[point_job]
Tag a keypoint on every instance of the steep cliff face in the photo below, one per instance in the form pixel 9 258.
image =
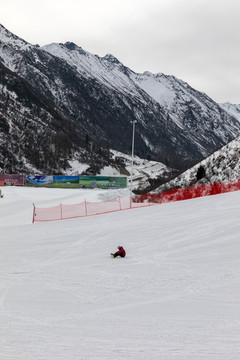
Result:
pixel 29 134
pixel 60 103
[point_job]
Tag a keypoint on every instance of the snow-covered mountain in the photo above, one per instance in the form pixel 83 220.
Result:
pixel 232 109
pixel 192 112
pixel 221 166
pixel 61 105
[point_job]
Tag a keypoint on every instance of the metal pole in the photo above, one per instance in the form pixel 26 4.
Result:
pixel 133 135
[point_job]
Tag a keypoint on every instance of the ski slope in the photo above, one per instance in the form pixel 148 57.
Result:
pixel 176 296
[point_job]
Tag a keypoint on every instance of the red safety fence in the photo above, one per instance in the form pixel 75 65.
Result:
pixel 62 211
pixel 190 192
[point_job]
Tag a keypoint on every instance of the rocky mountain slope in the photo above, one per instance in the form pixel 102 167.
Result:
pixel 191 122
pixel 232 109
pixel 221 166
pixel 60 104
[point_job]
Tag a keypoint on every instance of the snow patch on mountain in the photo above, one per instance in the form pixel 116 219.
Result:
pixel 142 170
pixel 232 109
pixel 158 87
pixel 76 167
pixel 107 70
pixel 8 38
pixel 12 42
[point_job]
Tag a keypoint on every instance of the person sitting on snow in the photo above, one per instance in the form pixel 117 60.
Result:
pixel 121 252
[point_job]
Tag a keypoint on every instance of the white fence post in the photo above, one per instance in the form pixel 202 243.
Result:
pixel 119 199
pixel 33 213
pixel 61 211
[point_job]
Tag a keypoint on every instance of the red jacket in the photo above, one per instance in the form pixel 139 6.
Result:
pixel 121 252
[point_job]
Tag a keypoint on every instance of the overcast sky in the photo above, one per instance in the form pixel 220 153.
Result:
pixel 195 40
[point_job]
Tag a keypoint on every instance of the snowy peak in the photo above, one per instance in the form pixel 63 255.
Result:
pixel 73 47
pixel 9 38
pixel 112 63
pixel 108 70
pixel 70 45
pixel 14 49
pixel 112 59
pixel 167 89
pixel 188 108
pixel 58 48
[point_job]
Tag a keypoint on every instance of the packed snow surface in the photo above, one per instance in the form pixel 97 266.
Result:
pixel 175 296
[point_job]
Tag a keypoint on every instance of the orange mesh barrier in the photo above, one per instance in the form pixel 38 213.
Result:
pixel 94 208
pixel 47 214
pixel 73 211
pixel 62 212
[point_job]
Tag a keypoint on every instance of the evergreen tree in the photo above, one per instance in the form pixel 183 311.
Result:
pixel 201 173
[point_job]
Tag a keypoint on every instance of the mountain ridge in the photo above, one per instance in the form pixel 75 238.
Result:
pixel 96 98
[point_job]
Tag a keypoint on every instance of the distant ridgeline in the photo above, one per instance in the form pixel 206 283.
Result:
pixel 58 181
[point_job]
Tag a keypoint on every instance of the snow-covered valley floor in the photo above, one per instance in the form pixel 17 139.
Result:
pixel 176 296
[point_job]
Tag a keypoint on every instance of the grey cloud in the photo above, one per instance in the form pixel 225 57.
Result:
pixel 196 40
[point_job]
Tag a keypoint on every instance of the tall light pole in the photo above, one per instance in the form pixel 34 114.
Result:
pixel 133 135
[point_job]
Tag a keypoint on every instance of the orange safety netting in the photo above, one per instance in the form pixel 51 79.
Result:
pixel 85 208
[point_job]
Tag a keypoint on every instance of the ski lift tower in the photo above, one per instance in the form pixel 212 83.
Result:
pixel 133 135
